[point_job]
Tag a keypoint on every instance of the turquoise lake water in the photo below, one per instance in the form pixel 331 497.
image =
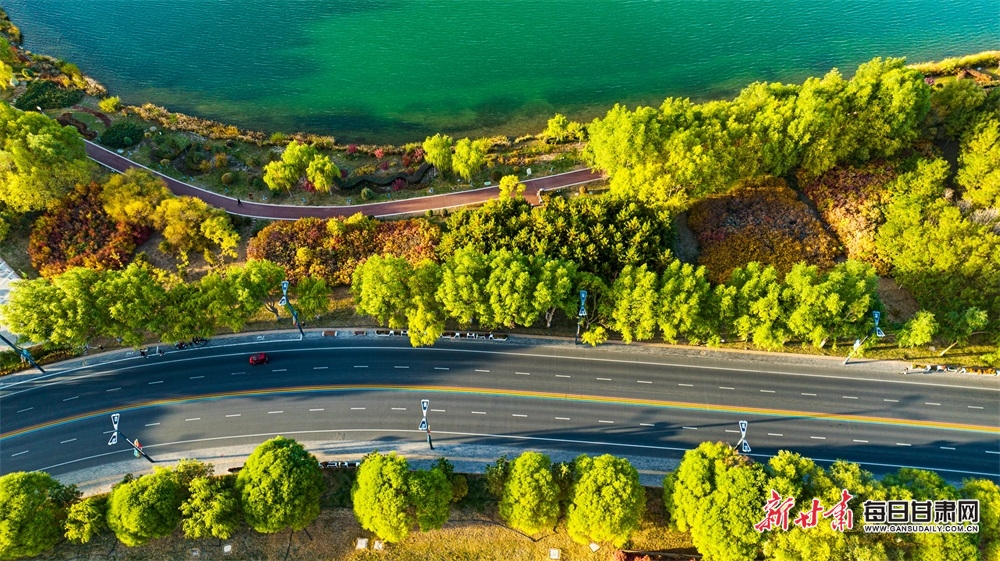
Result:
pixel 396 70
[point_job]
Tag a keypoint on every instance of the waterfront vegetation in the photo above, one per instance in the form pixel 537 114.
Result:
pixel 715 495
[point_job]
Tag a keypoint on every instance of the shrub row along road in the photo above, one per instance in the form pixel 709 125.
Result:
pixel 415 205
pixel 500 393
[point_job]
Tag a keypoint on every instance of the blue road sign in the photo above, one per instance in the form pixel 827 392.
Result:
pixel 284 286
pixel 114 420
pixel 746 447
pixel 283 301
pixel 424 403
pixel 114 439
pixel 879 332
pixel 743 429
pixel 877 315
pixel 423 424
pixel 583 303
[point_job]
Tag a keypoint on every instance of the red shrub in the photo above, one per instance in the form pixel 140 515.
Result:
pixel 78 233
pixel 379 153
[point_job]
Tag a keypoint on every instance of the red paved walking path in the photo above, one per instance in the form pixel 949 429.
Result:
pixel 414 205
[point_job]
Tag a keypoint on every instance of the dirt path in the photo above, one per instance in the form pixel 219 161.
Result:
pixel 415 205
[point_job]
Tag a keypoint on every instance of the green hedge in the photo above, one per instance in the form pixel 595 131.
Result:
pixel 123 134
pixel 47 95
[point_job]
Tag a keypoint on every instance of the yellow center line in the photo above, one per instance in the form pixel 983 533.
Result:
pixel 657 403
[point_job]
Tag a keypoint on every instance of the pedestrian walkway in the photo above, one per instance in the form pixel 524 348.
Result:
pixel 417 205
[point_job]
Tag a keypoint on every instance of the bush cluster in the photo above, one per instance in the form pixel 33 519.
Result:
pixel 47 95
pixel 77 232
pixel 759 221
pixel 123 134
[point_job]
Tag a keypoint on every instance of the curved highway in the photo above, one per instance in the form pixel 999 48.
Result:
pixel 521 395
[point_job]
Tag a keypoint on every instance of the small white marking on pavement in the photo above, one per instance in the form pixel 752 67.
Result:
pixel 274 412
pixel 690 428
pixel 279 370
pixel 646 425
pixel 726 388
pixel 931 403
pixel 440 368
pixel 71 398
pixel 686 385
pixel 315 410
pixel 812 394
pixel 605 379
pixel 974 407
pixel 479 412
pixel 361 366
pixel 65 441
pixel 152 424
pixel 992 452
pixel 156 382
pixel 848 397
pixel 643 382
pixel 108 432
pixel 606 422
pixel 114 389
pixel 19 453
pixel 561 376
pixel 195 377
pixel 774 434
pixel 438 410
pixel 523 373
pixel 486 371
pixel 947 448
pixel 234 415
pixel 903 444
pixel 399 409
pixel 238 373
pixel 766 391
pixel 194 419
pixel 400 366
pixel 891 400
pixel 818 437
pixel 325 367
pixel 731 430
pixel 23 410
pixel 357 408
pixel 562 418
pixel 861 441
pixel 517 415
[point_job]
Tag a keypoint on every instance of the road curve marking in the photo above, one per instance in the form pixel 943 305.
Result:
pixel 642 402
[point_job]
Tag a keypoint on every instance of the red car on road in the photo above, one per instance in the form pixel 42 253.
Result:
pixel 258 358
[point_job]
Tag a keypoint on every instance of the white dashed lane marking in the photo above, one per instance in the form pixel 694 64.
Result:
pixel 810 394
pixel 438 410
pixel 114 389
pixel 357 408
pixel 726 388
pixel 818 437
pixel 274 412
pixel 731 430
pixel 947 448
pixel 152 424
pixel 313 410
pixel 891 400
pixel 643 382
pixel 606 422
pixel 478 412
pixel 156 382
pixel 523 373
pixel 486 371
pixel 71 398
pixel 279 370
pixel 690 428
pixel 517 415
pixel 65 441
pixel 399 409
pixel 195 377
pixel 766 391
pixel 774 434
pixel 325 367
pixel 401 367
pixel 974 407
pixel 861 441
pixel 605 379
pixel 194 419
pixel 646 425
pixel 562 418
pixel 902 444
pixel 19 453
pixel 561 376
pixel 361 366
pixel 234 415
pixel 686 385
pixel 931 403
pixel 23 410
pixel 440 368
pixel 849 397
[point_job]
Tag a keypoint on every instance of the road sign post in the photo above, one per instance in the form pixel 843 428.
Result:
pixel 136 447
pixel 24 353
pixel 424 425
pixel 745 448
pixel 580 315
pixel 295 316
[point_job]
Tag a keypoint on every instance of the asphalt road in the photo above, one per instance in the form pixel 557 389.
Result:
pixel 533 190
pixel 490 393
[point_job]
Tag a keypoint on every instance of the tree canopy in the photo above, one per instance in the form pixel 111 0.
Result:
pixel 530 501
pixel 145 508
pixel 212 509
pixel 32 508
pixel 280 486
pixel 380 496
pixel 608 501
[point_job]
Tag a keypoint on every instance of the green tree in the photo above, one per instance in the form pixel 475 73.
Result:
pixel 380 288
pixel 963 325
pixel 922 485
pixel 322 172
pixel 511 187
pixel 756 305
pixel 218 230
pixel 820 307
pixel 684 303
pixel 145 508
pixel 724 526
pixel 425 315
pixel 6 74
pixel 530 500
pixel 469 157
pixel 212 509
pixel 634 300
pixel 509 290
pixel 599 516
pixel 258 283
pixel 185 313
pixel 687 489
pixel 561 129
pixel 40 160
pixel 954 107
pixel 134 196
pixel 496 475
pixel 979 171
pixel 133 299
pixel 437 151
pixel 919 330
pixel 31 513
pixel 110 104
pixel 63 310
pixel 312 297
pixel 554 291
pixel 86 519
pixel 430 493
pixel 380 498
pixel 189 224
pixel 280 486
pixel 295 160
pixel 988 494
pixel 463 286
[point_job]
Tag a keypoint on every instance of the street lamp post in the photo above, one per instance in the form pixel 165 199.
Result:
pixel 136 447
pixel 877 331
pixel 295 316
pixel 23 352
pixel 424 425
